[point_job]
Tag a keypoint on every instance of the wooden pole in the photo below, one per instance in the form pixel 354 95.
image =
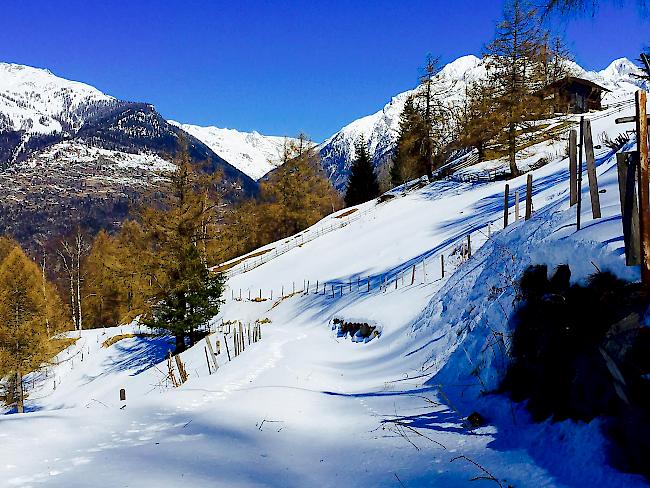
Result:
pixel 469 246
pixel 516 206
pixel 225 341
pixel 579 189
pixel 442 263
pixel 212 354
pixel 626 165
pixel 591 171
pixel 644 197
pixel 573 167
pixel 413 275
pixel 207 360
pixel 505 207
pixel 529 196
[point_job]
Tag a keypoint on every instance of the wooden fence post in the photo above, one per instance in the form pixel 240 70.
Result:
pixel 591 170
pixel 505 207
pixel 469 246
pixel 529 196
pixel 626 165
pixel 207 360
pixel 516 206
pixel 413 275
pixel 573 167
pixel 579 189
pixel 644 198
pixel 122 395
pixel 442 263
pixel 212 355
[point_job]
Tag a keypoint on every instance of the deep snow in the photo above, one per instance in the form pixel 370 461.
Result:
pixel 304 407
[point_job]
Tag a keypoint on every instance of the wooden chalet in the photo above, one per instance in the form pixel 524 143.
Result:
pixel 575 95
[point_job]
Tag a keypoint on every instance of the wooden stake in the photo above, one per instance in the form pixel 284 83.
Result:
pixel 225 341
pixel 529 196
pixel 626 165
pixel 413 275
pixel 644 197
pixel 212 354
pixel 517 206
pixel 579 189
pixel 505 208
pixel 207 360
pixel 442 263
pixel 573 167
pixel 469 246
pixel 591 170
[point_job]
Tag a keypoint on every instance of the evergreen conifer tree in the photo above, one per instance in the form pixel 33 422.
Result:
pixel 188 294
pixel 362 184
pixel 410 157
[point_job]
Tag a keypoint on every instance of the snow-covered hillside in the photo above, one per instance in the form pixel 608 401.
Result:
pixel 380 129
pixel 35 100
pixel 250 152
pixel 308 407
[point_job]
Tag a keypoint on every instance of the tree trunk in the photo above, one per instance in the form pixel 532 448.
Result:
pixel 180 342
pixel 20 400
pixel 512 151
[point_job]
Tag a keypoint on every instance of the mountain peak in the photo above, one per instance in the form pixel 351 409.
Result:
pixel 620 68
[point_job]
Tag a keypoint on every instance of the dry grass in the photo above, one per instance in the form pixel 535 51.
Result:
pixel 232 264
pixel 112 340
pixel 62 343
pixel 346 213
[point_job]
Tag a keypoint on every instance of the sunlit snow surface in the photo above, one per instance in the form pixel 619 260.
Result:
pixel 304 407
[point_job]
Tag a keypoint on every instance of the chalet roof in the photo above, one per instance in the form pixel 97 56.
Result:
pixel 574 79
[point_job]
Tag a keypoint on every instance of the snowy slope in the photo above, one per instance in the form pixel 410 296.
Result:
pixel 380 129
pixel 250 152
pixel 304 407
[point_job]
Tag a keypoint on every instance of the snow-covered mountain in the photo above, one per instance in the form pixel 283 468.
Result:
pixel 250 152
pixel 67 148
pixel 380 129
pixel 37 101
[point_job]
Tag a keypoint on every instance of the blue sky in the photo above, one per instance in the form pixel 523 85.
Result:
pixel 277 67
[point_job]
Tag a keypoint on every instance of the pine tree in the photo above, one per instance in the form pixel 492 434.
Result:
pixel 512 59
pixel 478 118
pixel 410 158
pixel 187 294
pixel 298 193
pixel 362 184
pixel 644 59
pixel 24 312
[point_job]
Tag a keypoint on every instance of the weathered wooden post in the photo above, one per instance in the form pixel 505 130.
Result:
pixel 122 395
pixel 368 284
pixel 469 246
pixel 529 196
pixel 505 206
pixel 644 198
pixel 225 341
pixel 591 170
pixel 626 165
pixel 579 189
pixel 573 167
pixel 207 360
pixel 212 354
pixel 517 206
pixel 413 275
pixel 442 264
